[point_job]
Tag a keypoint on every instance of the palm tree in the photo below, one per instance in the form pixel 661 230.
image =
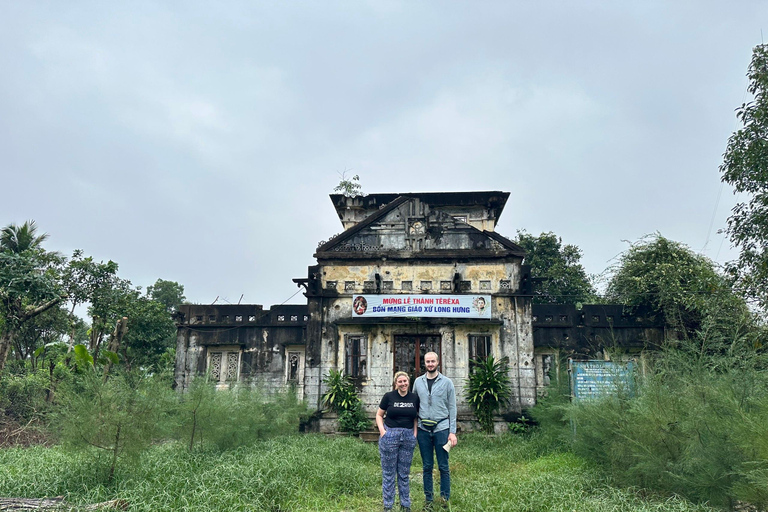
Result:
pixel 17 239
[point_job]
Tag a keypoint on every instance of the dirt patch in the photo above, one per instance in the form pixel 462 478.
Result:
pixel 14 433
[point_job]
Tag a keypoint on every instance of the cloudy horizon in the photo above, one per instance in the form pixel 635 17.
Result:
pixel 198 142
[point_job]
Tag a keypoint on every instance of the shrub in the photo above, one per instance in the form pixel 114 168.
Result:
pixel 697 426
pixel 341 397
pixel 235 417
pixel 552 410
pixel 23 397
pixel 114 419
pixel 488 389
pixel 354 420
pixel 341 394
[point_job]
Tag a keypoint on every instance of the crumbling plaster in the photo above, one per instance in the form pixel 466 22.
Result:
pixel 417 271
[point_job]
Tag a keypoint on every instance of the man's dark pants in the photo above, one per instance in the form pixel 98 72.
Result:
pixel 430 444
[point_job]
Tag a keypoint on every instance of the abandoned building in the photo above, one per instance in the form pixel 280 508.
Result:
pixel 410 273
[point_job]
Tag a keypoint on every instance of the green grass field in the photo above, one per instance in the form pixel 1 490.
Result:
pixel 314 472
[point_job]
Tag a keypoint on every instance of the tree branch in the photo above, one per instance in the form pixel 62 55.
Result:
pixel 30 313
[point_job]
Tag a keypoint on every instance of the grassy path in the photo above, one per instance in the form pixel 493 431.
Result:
pixel 312 472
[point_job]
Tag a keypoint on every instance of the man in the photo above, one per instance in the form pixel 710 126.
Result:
pixel 437 425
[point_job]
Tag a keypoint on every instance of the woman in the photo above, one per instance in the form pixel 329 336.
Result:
pixel 397 419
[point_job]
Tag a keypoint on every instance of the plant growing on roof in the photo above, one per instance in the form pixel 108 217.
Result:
pixel 350 187
pixel 488 389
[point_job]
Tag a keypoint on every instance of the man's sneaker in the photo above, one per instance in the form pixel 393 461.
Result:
pixel 405 509
pixel 429 506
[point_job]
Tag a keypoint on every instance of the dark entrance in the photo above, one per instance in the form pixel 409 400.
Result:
pixel 410 350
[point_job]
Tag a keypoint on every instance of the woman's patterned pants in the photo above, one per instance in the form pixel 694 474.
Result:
pixel 396 450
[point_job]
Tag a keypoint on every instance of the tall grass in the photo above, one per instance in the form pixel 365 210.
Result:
pixel 697 427
pixel 114 421
pixel 313 472
pixel 235 417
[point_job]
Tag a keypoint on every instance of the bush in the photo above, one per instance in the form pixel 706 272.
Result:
pixel 23 397
pixel 354 420
pixel 116 419
pixel 552 410
pixel 698 426
pixel 341 397
pixel 235 417
pixel 341 394
pixel 488 389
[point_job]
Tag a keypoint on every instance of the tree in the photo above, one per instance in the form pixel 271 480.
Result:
pixel 168 293
pixel 29 283
pixel 33 282
pixel 667 279
pixel 558 276
pixel 83 279
pixel 150 333
pixel 350 187
pixel 51 326
pixel 17 239
pixel 745 167
pixel 119 417
pixel 110 302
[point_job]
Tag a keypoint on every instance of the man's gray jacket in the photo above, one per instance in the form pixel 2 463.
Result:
pixel 441 406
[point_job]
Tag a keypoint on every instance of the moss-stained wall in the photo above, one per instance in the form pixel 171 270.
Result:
pixel 425 243
pixel 259 339
pixel 509 327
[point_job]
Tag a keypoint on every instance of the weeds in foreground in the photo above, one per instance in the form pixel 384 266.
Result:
pixel 697 426
pixel 115 421
pixel 313 472
pixel 231 418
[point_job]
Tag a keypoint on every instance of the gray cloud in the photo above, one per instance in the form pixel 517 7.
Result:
pixel 198 142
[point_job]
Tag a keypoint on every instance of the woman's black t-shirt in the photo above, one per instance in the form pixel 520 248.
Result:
pixel 401 410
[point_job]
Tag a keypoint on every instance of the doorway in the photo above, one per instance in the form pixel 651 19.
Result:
pixel 410 351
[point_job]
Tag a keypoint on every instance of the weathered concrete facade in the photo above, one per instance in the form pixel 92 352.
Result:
pixel 440 247
pixel 428 244
pixel 600 331
pixel 241 343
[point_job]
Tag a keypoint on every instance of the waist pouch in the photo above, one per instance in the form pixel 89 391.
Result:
pixel 429 425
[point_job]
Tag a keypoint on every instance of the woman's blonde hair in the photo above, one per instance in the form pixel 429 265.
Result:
pixel 399 374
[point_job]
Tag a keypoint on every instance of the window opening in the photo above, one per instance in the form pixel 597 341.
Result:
pixel 356 351
pixel 294 359
pixel 410 351
pixel 479 349
pixel 224 365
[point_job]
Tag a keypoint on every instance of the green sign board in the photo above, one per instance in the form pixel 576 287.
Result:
pixel 596 379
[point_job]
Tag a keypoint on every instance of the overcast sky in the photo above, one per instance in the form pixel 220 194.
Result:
pixel 198 141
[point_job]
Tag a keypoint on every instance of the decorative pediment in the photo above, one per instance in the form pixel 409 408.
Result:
pixel 408 227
